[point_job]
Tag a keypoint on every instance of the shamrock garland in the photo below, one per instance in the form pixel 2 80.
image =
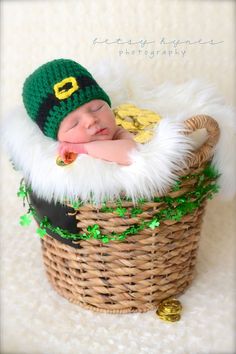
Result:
pixel 176 208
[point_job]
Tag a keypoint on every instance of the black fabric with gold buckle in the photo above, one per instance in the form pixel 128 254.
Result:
pixel 51 100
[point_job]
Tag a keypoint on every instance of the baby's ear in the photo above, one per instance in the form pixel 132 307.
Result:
pixel 59 136
pixel 64 126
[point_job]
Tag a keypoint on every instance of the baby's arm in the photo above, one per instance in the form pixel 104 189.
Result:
pixel 116 150
pixel 111 150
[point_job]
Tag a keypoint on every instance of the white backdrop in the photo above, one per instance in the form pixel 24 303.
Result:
pixel 170 41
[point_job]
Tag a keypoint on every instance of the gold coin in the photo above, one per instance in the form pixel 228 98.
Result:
pixel 170 318
pixel 119 121
pixel 128 125
pixel 148 117
pixel 123 113
pixel 124 106
pixel 169 311
pixel 143 137
pixel 143 120
pixel 137 124
pixel 171 302
pixel 171 308
pixel 127 110
pixel 152 117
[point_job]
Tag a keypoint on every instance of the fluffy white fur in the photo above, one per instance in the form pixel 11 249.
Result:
pixel 153 164
pixel 35 155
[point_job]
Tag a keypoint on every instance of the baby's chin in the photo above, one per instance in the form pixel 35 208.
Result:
pixel 96 137
pixel 93 138
pixel 101 137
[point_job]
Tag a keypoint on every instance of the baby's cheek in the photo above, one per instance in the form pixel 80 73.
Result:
pixel 60 136
pixel 74 136
pixel 67 134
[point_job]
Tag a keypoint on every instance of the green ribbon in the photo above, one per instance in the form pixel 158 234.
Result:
pixel 175 209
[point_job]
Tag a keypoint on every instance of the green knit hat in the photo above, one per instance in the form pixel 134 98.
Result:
pixel 57 88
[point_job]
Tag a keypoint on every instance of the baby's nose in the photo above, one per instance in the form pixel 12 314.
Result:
pixel 89 120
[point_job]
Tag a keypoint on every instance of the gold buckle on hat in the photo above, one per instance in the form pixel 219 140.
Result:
pixel 62 92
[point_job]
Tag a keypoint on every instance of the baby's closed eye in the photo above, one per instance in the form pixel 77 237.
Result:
pixel 73 125
pixel 95 109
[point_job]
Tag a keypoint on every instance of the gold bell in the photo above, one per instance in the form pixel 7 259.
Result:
pixel 59 161
pixel 69 158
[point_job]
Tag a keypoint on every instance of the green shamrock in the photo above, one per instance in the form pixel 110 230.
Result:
pixel 136 211
pixel 105 239
pixel 120 211
pixel 177 215
pixel 77 204
pixel 154 223
pixel 22 193
pixel 176 186
pixel 25 220
pixel 94 231
pixel 41 232
pixel 106 209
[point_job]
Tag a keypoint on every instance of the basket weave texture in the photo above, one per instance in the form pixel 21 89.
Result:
pixel 136 274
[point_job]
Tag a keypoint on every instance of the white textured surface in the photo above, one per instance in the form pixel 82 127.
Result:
pixel 34 319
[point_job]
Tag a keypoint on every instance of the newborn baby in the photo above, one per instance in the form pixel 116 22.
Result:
pixel 68 105
pixel 91 129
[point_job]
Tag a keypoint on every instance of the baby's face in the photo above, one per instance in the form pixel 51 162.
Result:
pixel 90 122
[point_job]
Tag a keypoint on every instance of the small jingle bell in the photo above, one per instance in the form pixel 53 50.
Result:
pixel 69 158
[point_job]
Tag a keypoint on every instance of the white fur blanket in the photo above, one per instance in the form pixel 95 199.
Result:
pixel 152 169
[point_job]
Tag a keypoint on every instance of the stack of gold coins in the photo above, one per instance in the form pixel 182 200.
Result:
pixel 169 310
pixel 140 122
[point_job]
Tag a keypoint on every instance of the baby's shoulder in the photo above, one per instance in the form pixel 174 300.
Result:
pixel 122 133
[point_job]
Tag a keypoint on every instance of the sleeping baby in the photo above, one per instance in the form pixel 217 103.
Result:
pixel 68 105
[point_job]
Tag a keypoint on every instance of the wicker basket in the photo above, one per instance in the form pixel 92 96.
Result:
pixel 136 274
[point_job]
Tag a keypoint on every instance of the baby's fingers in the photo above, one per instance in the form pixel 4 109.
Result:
pixel 63 150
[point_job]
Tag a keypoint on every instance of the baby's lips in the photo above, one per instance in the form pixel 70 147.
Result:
pixel 103 131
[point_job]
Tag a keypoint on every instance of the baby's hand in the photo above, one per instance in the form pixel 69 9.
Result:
pixel 66 148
